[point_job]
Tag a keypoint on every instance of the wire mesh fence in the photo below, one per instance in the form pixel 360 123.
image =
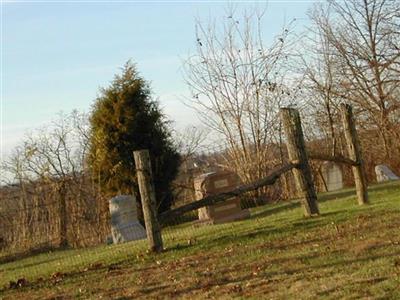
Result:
pixel 32 219
pixel 30 225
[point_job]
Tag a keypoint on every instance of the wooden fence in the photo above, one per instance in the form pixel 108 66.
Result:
pixel 299 165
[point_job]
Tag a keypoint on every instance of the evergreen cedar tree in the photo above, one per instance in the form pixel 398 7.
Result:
pixel 126 118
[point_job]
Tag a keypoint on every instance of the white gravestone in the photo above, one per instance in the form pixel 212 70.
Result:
pixel 383 173
pixel 333 177
pixel 125 226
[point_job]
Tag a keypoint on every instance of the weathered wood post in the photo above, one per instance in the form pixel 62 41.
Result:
pixel 298 155
pixel 148 197
pixel 354 151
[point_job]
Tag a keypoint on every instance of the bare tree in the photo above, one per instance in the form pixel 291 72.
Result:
pixel 188 142
pixel 237 84
pixel 320 68
pixel 363 39
pixel 54 155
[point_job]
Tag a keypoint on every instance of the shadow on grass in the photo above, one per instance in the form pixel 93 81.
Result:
pixel 172 291
pixel 262 231
pixel 362 282
pixel 389 186
pixel 28 253
pixel 339 195
pixel 293 227
pixel 35 263
pixel 209 281
pixel 274 210
pixel 265 230
pixel 177 247
pixel 347 192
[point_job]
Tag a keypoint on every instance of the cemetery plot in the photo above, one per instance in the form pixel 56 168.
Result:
pixel 275 254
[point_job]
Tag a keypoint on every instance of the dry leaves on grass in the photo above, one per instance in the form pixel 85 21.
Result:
pixel 21 282
pixel 363 246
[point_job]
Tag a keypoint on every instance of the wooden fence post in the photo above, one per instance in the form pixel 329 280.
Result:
pixel 354 150
pixel 298 155
pixel 148 197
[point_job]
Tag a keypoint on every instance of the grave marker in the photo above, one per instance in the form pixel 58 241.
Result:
pixel 332 175
pixel 125 225
pixel 215 183
pixel 383 173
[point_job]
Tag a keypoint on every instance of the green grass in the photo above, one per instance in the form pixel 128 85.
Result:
pixel 349 251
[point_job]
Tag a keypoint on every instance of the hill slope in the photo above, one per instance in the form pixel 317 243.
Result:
pixel 348 252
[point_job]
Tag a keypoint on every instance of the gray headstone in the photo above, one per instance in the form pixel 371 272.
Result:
pixel 333 177
pixel 383 173
pixel 125 226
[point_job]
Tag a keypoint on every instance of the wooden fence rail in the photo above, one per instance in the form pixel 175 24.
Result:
pixel 212 199
pixel 336 158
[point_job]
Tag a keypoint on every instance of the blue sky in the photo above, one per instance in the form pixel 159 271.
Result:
pixel 56 55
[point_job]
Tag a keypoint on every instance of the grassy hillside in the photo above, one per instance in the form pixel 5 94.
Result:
pixel 348 252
